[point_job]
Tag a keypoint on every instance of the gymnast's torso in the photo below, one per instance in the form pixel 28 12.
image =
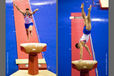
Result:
pixel 28 18
pixel 86 34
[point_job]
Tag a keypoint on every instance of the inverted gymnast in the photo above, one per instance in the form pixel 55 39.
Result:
pixel 86 32
pixel 28 19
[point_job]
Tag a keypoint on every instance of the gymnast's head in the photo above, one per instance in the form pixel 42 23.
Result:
pixel 77 45
pixel 27 10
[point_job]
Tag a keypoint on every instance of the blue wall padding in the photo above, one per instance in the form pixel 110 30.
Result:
pixel 11 45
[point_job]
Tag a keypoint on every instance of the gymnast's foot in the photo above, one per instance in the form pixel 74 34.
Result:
pixel 82 5
pixel 27 37
pixel 89 9
pixel 31 33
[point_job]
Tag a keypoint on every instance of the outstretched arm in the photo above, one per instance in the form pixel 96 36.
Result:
pixel 89 11
pixel 87 49
pixel 34 11
pixel 81 50
pixel 19 9
pixel 83 13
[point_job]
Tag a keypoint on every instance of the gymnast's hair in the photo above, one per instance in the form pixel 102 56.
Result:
pixel 77 46
pixel 27 8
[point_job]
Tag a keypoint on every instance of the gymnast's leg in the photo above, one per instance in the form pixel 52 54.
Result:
pixel 83 13
pixel 30 30
pixel 27 32
pixel 88 26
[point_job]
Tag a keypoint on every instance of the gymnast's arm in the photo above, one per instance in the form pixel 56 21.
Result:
pixel 87 48
pixel 81 50
pixel 34 11
pixel 19 9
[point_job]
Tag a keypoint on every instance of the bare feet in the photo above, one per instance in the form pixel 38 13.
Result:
pixel 82 5
pixel 89 9
pixel 31 33
pixel 27 37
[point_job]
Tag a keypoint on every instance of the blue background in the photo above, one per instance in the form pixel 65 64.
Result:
pixel 99 35
pixel 11 45
pixel 45 20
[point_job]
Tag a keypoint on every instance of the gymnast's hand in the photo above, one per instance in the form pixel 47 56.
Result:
pixel 36 9
pixel 14 4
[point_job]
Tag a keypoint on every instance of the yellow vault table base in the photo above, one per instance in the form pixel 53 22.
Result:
pixel 41 73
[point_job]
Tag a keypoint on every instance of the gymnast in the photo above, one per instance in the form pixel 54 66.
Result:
pixel 28 19
pixel 86 32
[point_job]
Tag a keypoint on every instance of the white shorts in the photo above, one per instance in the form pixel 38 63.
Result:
pixel 85 38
